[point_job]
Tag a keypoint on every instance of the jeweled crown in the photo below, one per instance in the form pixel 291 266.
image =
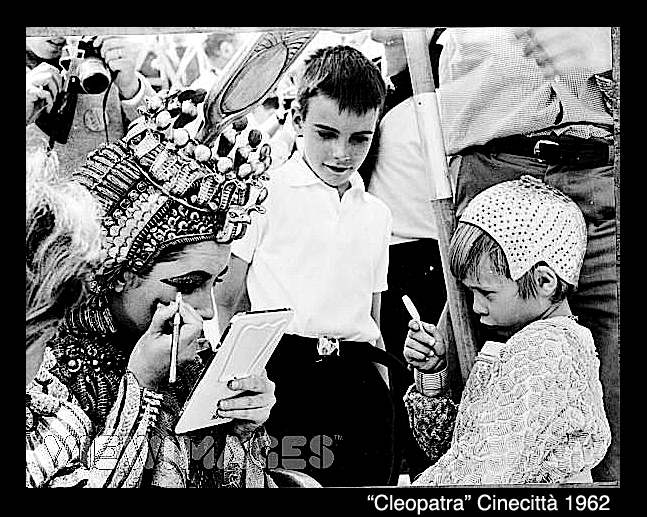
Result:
pixel 159 186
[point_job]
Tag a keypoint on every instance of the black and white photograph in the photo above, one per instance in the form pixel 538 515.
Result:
pixel 325 257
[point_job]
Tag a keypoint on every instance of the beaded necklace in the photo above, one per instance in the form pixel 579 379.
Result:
pixel 87 361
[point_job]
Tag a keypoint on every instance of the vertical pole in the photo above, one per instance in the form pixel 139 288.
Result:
pixel 615 49
pixel 439 189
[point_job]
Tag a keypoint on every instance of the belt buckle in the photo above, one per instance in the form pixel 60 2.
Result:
pixel 536 150
pixel 327 346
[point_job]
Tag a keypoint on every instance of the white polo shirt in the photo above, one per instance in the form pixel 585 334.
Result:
pixel 320 255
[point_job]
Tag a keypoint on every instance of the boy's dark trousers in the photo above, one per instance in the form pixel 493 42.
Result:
pixel 334 415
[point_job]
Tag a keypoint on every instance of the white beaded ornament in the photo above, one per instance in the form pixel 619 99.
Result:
pixel 532 222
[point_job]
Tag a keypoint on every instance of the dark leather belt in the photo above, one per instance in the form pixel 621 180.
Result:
pixel 565 150
pixel 311 349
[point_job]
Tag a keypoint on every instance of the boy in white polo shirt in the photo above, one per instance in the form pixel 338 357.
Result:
pixel 322 249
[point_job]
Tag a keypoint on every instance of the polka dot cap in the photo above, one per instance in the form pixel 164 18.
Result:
pixel 532 222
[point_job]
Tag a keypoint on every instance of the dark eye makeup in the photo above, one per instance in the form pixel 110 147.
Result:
pixel 192 281
pixel 188 282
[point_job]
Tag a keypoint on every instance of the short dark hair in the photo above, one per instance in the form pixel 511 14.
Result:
pixel 211 44
pixel 470 244
pixel 344 74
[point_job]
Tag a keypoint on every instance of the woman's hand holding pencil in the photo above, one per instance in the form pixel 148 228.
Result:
pixel 151 360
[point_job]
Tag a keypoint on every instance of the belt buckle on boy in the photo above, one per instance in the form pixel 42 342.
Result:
pixel 327 346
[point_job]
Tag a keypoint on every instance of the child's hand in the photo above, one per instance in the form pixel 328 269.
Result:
pixel 424 349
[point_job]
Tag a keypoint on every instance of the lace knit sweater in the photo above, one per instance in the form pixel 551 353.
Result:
pixel 531 412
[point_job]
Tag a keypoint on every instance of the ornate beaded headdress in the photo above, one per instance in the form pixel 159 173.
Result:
pixel 159 187
pixel 162 186
pixel 532 222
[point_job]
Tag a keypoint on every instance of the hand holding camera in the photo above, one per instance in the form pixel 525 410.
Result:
pixel 117 53
pixel 89 65
pixel 43 84
pixel 97 59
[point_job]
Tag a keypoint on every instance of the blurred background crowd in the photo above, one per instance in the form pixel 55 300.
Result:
pixel 194 60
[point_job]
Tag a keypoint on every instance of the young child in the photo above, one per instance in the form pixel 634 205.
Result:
pixel 322 249
pixel 531 410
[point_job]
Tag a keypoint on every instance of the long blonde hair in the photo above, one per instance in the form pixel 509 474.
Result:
pixel 62 243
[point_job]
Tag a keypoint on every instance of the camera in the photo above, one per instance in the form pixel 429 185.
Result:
pixel 83 59
pixel 84 71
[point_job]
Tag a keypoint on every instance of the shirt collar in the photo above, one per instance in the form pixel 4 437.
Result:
pixel 301 175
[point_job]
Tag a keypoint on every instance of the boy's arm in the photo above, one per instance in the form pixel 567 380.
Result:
pixel 375 314
pixel 432 413
pixel 231 295
pixel 431 416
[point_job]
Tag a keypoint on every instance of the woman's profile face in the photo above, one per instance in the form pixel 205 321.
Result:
pixel 193 271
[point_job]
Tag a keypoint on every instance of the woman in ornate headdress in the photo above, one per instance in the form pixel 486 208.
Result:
pixel 170 207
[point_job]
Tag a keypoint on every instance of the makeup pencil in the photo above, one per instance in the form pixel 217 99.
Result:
pixel 175 340
pixel 411 308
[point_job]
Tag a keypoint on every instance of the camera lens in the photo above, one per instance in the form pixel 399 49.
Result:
pixel 93 75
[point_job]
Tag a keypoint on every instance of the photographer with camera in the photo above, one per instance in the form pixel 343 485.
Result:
pixel 81 92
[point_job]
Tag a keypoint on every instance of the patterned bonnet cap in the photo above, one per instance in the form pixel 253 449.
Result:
pixel 159 187
pixel 532 222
